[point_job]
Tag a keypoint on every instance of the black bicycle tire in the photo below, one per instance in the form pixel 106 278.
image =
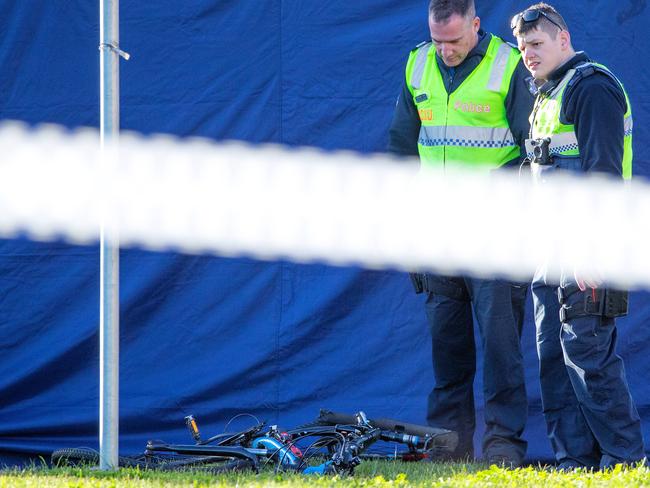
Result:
pixel 74 456
pixel 205 464
pixel 84 456
pixel 231 466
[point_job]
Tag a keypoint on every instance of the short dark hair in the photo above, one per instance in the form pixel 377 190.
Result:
pixel 442 10
pixel 542 22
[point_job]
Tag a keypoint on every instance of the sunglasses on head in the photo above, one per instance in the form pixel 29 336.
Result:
pixel 531 16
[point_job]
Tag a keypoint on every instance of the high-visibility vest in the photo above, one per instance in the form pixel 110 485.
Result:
pixel 545 119
pixel 467 127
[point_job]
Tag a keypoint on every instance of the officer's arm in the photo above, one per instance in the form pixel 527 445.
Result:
pixel 596 106
pixel 519 105
pixel 405 128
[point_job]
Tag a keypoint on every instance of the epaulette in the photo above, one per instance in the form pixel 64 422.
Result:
pixel 423 43
pixel 587 69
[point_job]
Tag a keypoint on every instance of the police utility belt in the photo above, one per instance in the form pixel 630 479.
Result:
pixel 598 302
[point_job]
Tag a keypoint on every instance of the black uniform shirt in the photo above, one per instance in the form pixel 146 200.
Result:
pixel 405 127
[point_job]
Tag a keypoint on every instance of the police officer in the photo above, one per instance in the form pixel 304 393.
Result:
pixel 581 122
pixel 465 102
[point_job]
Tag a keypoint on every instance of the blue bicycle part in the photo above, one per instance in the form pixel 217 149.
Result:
pixel 324 468
pixel 276 448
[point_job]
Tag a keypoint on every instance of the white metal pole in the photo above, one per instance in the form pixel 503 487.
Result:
pixel 109 325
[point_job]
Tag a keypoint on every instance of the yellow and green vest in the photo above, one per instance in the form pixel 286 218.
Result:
pixel 545 121
pixel 467 127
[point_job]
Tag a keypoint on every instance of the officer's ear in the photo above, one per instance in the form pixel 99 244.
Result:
pixel 565 40
pixel 476 24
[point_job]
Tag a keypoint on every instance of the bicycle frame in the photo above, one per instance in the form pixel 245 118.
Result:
pixel 267 446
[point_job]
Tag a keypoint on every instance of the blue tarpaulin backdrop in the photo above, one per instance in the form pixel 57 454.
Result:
pixel 216 337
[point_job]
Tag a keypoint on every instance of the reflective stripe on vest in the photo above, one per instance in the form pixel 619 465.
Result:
pixel 499 67
pixel 420 63
pixel 628 124
pixel 465 136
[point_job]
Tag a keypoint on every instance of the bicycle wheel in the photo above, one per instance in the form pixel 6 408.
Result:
pixel 75 456
pixel 210 464
pixel 85 456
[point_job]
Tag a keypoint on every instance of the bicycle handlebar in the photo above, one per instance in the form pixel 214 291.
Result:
pixel 441 438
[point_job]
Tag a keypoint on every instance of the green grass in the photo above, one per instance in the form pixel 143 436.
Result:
pixel 380 474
